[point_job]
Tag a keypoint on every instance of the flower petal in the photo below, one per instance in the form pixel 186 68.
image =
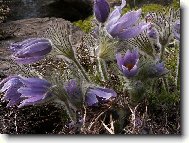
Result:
pixel 130 73
pixel 115 15
pixel 91 99
pixel 27 92
pixel 120 60
pixel 37 49
pixel 35 82
pixel 129 19
pixel 99 95
pixel 14 101
pixel 132 32
pixel 113 18
pixel 30 101
pixel 131 57
pixel 176 30
pixel 27 60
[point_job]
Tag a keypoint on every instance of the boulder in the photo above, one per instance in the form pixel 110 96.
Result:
pixel 71 10
pixel 33 27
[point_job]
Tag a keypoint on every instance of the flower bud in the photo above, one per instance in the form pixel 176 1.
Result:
pixel 176 30
pixel 25 91
pixel 30 50
pixel 74 92
pixel 101 10
pixel 97 95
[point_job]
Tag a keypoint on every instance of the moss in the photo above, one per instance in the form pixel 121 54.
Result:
pixel 147 8
pixel 176 4
pixel 153 8
pixel 85 25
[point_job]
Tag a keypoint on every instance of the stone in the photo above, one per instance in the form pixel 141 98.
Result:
pixel 71 10
pixel 27 28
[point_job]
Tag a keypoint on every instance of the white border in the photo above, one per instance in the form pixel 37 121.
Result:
pixel 134 139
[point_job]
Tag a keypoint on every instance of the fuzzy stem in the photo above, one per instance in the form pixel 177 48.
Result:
pixel 102 69
pixel 165 84
pixel 162 52
pixel 177 66
pixel 83 72
pixel 70 113
pixel 164 80
pixel 153 87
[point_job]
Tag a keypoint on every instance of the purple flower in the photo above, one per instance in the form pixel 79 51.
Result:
pixel 31 50
pixel 97 95
pixel 124 27
pixel 157 69
pixel 73 91
pixel 160 69
pixel 10 85
pixel 176 30
pixel 101 10
pixel 25 91
pixel 35 90
pixel 152 32
pixel 128 63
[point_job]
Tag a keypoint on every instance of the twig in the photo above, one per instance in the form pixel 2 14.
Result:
pixel 15 123
pixel 95 120
pixel 108 129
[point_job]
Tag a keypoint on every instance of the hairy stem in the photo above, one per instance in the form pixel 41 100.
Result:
pixel 177 66
pixel 102 69
pixel 83 72
pixel 162 52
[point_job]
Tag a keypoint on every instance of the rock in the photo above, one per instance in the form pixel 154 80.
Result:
pixel 34 27
pixel 71 10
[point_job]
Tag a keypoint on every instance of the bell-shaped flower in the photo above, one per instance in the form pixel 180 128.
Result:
pixel 124 27
pixel 157 69
pixel 34 91
pixel 31 50
pixel 25 91
pixel 153 36
pixel 10 85
pixel 74 92
pixel 99 95
pixel 152 32
pixel 101 10
pixel 176 30
pixel 128 63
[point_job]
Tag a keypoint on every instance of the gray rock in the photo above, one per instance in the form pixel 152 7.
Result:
pixel 34 27
pixel 71 10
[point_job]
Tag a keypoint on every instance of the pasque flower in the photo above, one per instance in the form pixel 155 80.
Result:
pixel 73 91
pixel 176 30
pixel 124 27
pixel 157 69
pixel 97 95
pixel 31 50
pixel 25 91
pixel 10 85
pixel 128 63
pixel 152 32
pixel 101 10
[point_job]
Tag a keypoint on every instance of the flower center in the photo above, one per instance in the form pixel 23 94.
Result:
pixel 129 66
